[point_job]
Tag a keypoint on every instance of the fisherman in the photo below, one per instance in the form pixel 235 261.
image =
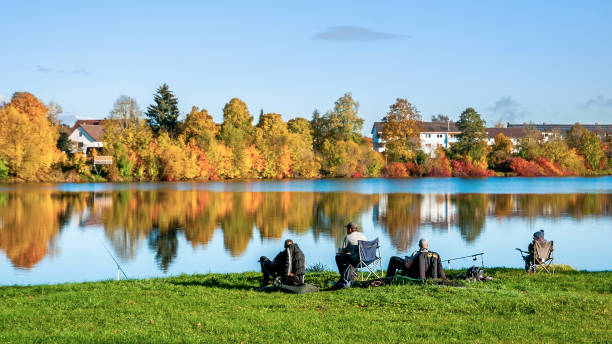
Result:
pixel 289 265
pixel 348 255
pixel 537 237
pixel 421 264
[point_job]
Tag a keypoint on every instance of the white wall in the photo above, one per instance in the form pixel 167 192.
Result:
pixel 82 141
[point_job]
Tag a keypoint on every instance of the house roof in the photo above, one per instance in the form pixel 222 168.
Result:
pixel 79 122
pixel 437 127
pixel 428 127
pixel 508 132
pixel 565 127
pixel 95 131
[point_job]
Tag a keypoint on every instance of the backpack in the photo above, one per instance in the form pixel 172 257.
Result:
pixel 475 272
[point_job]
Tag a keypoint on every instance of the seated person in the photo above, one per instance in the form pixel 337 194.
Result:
pixel 421 264
pixel 289 264
pixel 349 252
pixel 537 237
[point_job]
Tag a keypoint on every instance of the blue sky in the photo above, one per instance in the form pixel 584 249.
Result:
pixel 545 61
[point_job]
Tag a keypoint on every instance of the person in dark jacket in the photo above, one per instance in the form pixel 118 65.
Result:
pixel 421 264
pixel 289 265
pixel 539 237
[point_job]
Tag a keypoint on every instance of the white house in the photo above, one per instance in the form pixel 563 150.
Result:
pixel 445 134
pixel 86 134
pixel 433 134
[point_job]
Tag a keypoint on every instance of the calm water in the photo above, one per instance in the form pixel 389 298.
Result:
pixel 61 232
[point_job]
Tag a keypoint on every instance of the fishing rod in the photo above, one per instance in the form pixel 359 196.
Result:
pixel 116 262
pixel 473 256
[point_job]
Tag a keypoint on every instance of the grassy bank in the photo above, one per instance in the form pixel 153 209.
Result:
pixel 566 307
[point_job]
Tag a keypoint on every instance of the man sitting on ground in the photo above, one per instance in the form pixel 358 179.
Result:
pixel 289 264
pixel 421 264
pixel 349 253
pixel 537 237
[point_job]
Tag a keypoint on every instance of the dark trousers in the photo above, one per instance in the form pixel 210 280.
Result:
pixel 395 263
pixel 269 268
pixel 528 262
pixel 343 261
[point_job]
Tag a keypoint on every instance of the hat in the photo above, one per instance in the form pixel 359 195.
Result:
pixel 351 225
pixel 539 234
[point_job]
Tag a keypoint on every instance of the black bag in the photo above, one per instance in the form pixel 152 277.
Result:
pixel 475 272
pixel 293 280
pixel 350 274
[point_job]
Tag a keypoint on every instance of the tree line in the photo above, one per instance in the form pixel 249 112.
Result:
pixel 156 145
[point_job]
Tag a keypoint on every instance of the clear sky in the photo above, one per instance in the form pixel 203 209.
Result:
pixel 541 61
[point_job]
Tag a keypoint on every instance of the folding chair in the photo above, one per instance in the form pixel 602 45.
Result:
pixel 369 258
pixel 543 255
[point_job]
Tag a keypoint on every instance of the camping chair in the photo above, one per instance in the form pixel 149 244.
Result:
pixel 542 256
pixel 369 258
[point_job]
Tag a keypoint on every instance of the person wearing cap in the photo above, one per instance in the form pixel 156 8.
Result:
pixel 289 264
pixel 539 237
pixel 349 252
pixel 421 264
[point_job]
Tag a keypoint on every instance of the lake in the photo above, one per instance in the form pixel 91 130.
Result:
pixel 55 233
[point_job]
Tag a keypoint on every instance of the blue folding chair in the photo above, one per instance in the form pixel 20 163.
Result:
pixel 369 258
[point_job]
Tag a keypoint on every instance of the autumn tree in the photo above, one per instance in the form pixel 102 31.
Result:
pixel 574 135
pixel 340 124
pixel 472 140
pixel 163 114
pixel 271 135
pixel 590 147
pixel 200 127
pixel 300 143
pixel 300 126
pixel 501 150
pixel 27 139
pixel 530 144
pixel 318 125
pixel 237 129
pixel 401 131
pixel 129 140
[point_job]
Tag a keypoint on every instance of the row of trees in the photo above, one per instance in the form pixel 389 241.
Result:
pixel 161 147
pixel 157 145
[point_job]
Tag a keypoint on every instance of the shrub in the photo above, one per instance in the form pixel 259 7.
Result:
pixel 467 169
pixel 396 170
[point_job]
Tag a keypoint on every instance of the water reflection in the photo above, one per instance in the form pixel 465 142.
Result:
pixel 30 222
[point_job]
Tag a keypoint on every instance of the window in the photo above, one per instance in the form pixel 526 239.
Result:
pixel 428 135
pixel 439 136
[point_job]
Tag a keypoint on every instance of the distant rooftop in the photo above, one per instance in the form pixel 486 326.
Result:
pixel 433 127
pixel 564 127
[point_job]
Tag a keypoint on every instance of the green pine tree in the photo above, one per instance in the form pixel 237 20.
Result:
pixel 163 114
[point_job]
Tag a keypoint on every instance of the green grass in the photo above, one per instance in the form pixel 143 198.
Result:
pixel 569 306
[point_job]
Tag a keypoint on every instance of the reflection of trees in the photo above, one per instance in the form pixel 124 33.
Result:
pixel 334 210
pixel 165 245
pixel 30 221
pixel 471 214
pixel 557 205
pixel 402 218
pixel 503 205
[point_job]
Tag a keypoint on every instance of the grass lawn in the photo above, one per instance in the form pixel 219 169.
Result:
pixel 568 306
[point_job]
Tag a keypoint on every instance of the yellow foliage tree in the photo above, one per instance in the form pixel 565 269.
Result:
pixel 27 139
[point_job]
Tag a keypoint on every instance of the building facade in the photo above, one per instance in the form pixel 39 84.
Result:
pixel 86 135
pixel 445 134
